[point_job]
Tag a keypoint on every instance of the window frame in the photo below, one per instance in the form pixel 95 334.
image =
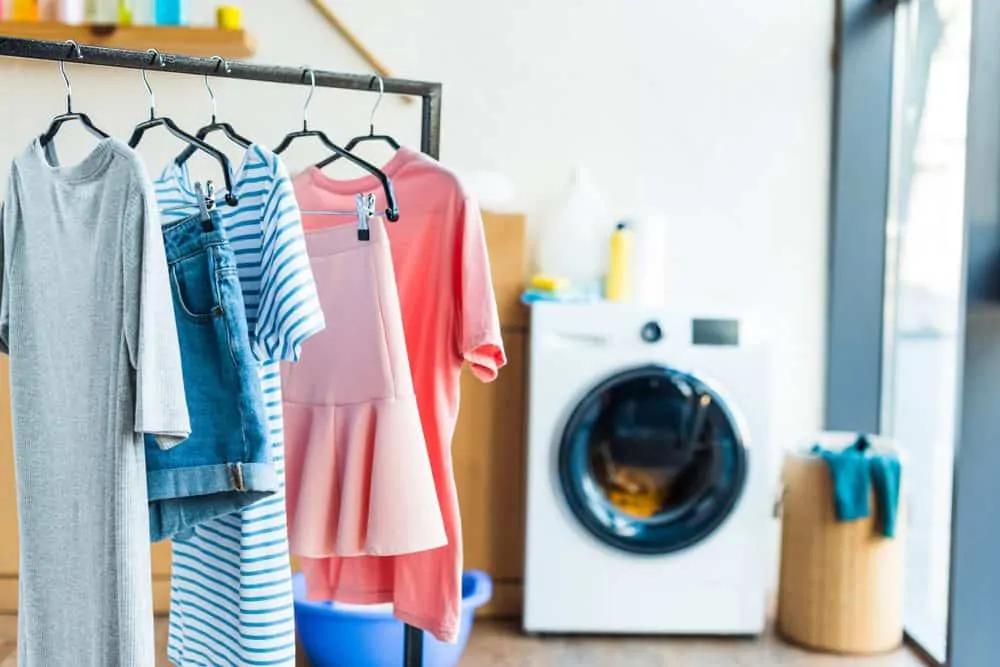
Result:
pixel 860 187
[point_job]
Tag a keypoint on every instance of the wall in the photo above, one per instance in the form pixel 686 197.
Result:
pixel 716 114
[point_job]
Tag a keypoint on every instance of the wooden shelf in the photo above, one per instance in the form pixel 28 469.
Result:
pixel 180 40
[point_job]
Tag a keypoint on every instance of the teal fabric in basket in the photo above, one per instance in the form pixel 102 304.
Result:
pixel 855 472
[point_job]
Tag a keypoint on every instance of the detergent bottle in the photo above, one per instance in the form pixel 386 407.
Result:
pixel 618 281
pixel 572 241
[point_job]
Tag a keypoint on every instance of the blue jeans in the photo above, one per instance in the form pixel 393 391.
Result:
pixel 226 463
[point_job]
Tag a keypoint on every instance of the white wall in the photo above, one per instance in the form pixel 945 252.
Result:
pixel 716 114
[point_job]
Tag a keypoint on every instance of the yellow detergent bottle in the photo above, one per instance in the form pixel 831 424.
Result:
pixel 618 282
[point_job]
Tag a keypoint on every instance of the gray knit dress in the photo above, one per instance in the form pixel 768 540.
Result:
pixel 87 319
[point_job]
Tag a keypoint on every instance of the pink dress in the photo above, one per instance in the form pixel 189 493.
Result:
pixel 358 474
pixel 450 318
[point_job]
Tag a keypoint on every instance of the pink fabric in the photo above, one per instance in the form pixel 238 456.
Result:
pixel 449 316
pixel 359 478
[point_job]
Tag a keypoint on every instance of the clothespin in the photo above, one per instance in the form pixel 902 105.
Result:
pixel 205 203
pixel 210 196
pixel 365 206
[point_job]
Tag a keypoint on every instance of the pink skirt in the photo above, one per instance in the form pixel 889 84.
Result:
pixel 359 479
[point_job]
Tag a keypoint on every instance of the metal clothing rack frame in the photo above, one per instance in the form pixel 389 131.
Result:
pixel 430 124
pixel 429 92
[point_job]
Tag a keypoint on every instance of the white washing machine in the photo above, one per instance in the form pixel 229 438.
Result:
pixel 647 506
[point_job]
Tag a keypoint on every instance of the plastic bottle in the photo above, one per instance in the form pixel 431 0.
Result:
pixel 125 13
pixel 25 10
pixel 171 12
pixel 571 238
pixel 72 12
pixel 48 10
pixel 618 282
pixel 649 261
pixel 141 12
pixel 102 12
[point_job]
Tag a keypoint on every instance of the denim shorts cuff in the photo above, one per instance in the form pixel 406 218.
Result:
pixel 211 479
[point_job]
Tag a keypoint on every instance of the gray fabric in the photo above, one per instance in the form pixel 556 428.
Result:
pixel 87 319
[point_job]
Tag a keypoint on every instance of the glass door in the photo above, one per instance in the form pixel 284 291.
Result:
pixel 923 287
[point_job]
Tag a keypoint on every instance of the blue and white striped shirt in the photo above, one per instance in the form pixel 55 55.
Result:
pixel 230 589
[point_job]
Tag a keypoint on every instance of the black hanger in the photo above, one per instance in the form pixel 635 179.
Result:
pixel 391 211
pixel 371 136
pixel 166 122
pixel 215 125
pixel 61 119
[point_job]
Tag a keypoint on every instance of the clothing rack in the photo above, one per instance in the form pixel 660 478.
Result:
pixel 429 92
pixel 430 124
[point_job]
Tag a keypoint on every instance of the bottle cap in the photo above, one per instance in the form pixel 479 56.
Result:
pixel 621 225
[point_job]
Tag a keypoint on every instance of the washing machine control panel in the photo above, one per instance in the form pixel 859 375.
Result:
pixel 651 332
pixel 715 331
pixel 704 331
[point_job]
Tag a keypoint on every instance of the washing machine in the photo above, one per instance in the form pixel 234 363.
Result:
pixel 647 506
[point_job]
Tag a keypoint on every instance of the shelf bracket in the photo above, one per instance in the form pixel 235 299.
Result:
pixel 359 47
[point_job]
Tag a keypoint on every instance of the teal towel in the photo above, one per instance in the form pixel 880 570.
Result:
pixel 885 474
pixel 851 482
pixel 855 472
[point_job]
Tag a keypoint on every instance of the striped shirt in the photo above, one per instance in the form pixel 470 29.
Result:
pixel 230 589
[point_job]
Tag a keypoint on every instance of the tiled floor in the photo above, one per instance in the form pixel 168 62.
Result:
pixel 500 644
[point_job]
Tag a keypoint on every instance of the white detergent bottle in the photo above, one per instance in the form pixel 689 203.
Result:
pixel 649 271
pixel 572 237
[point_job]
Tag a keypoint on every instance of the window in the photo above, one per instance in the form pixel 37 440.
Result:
pixel 914 331
pixel 923 312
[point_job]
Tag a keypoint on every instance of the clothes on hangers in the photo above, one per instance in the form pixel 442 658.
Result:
pixel 449 317
pixel 238 563
pixel 231 593
pixel 359 478
pixel 226 463
pixel 86 317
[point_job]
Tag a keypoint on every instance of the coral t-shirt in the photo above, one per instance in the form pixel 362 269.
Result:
pixel 449 316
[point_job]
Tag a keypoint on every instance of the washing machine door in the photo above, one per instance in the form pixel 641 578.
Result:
pixel 652 460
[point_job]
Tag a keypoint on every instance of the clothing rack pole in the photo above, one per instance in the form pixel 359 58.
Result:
pixel 430 125
pixel 430 92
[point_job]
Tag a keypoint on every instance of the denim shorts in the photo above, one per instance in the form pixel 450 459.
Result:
pixel 226 463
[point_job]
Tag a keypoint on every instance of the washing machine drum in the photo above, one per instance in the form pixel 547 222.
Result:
pixel 652 461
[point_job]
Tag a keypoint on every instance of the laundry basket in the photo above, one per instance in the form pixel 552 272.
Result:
pixel 841 583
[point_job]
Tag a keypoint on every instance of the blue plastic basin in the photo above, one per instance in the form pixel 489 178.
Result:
pixel 336 635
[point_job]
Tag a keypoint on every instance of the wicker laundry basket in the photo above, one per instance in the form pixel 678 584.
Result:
pixel 841 583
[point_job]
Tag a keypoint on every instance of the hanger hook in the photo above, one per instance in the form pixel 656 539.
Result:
pixel 381 92
pixel 312 90
pixel 220 63
pixel 74 51
pixel 157 58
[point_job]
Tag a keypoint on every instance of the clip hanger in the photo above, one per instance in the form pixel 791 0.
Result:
pixel 206 202
pixel 365 205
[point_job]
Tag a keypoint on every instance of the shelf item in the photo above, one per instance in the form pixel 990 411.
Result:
pixel 171 12
pixel 70 12
pixel 101 11
pixel 25 10
pixel 189 41
pixel 229 17
pixel 142 12
pixel 46 10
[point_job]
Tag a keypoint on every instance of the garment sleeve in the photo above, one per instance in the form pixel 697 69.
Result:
pixel 9 208
pixel 289 310
pixel 478 336
pixel 150 327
